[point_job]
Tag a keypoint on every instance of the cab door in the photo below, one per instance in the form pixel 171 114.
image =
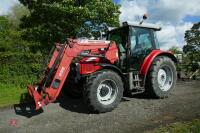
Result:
pixel 121 37
pixel 142 43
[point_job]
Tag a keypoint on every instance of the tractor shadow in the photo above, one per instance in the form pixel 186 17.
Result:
pixel 72 104
pixel 77 104
pixel 140 96
pixel 26 107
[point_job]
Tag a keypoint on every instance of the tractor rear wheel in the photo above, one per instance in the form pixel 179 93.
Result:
pixel 161 77
pixel 103 91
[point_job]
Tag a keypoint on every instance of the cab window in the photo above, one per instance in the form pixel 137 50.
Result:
pixel 141 40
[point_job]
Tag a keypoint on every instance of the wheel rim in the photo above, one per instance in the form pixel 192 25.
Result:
pixel 165 78
pixel 107 92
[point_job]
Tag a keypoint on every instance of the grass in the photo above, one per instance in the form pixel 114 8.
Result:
pixel 10 94
pixel 181 127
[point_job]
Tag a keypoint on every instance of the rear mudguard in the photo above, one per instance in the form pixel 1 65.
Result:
pixel 149 60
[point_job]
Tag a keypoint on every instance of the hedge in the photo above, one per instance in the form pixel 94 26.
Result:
pixel 19 68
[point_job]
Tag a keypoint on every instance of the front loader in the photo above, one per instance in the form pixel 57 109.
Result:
pixel 129 61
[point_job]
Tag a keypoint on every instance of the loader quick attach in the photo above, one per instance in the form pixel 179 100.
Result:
pixel 128 62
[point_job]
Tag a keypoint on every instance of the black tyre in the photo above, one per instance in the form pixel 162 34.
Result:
pixel 161 77
pixel 103 91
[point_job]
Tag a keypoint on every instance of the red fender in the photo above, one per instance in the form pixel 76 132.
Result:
pixel 149 59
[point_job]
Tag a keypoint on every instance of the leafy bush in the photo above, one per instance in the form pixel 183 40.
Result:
pixel 19 59
pixel 19 68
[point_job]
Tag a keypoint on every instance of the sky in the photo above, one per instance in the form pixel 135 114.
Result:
pixel 5 5
pixel 174 16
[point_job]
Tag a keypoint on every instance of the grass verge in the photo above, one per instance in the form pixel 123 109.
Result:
pixel 10 94
pixel 181 127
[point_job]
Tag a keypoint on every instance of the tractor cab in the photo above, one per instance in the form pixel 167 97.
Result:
pixel 134 42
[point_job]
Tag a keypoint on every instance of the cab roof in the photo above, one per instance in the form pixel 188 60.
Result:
pixel 144 25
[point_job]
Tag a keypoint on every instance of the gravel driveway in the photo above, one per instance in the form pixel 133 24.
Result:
pixel 137 114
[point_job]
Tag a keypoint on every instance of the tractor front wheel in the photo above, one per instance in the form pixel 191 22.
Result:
pixel 161 77
pixel 103 91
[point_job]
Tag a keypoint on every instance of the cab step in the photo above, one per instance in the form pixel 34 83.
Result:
pixel 136 83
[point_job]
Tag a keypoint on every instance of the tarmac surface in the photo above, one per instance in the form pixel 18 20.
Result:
pixel 133 115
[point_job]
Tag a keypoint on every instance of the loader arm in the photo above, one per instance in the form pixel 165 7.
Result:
pixel 48 90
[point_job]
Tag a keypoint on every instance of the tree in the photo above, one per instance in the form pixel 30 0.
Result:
pixel 16 13
pixel 192 37
pixel 175 50
pixel 55 20
pixel 192 48
pixel 10 34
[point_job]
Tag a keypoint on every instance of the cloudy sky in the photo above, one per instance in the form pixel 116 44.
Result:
pixel 174 16
pixel 5 5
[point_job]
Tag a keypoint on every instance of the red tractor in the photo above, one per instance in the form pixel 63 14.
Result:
pixel 129 61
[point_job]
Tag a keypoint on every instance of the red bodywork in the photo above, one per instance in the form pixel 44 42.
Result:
pixel 89 65
pixel 149 59
pixel 98 50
